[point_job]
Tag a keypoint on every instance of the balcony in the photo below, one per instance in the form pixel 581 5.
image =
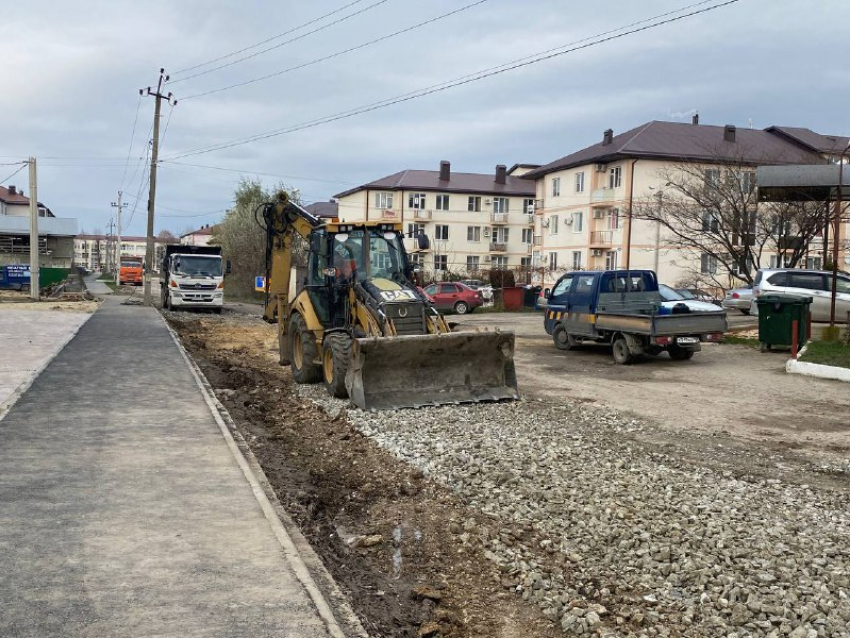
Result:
pixel 421 214
pixel 601 237
pixel 499 218
pixel 498 247
pixel 602 196
pixel 538 240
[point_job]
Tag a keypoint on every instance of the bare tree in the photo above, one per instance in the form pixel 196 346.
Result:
pixel 166 236
pixel 711 212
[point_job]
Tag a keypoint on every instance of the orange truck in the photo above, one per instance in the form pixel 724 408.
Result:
pixel 130 271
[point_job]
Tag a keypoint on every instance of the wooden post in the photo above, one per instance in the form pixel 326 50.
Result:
pixel 795 328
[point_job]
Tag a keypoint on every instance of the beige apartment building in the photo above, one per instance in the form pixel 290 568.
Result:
pixel 96 252
pixel 476 222
pixel 583 200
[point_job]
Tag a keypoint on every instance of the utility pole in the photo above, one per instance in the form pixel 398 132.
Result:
pixel 149 252
pixel 119 205
pixel 110 247
pixel 34 278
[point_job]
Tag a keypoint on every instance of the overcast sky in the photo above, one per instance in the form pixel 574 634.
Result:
pixel 72 73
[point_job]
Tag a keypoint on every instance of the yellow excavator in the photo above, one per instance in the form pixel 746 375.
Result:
pixel 363 326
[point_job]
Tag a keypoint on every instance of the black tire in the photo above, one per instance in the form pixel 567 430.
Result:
pixel 217 310
pixel 563 340
pixel 680 354
pixel 336 356
pixel 461 307
pixel 621 352
pixel 25 288
pixel 304 351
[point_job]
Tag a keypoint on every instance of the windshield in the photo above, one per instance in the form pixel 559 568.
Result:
pixel 668 294
pixel 686 294
pixel 371 254
pixel 197 265
pixel 131 263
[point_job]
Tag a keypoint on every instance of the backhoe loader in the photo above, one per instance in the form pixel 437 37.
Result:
pixel 363 327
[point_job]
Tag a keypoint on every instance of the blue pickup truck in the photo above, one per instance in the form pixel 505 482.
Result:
pixel 15 277
pixel 624 308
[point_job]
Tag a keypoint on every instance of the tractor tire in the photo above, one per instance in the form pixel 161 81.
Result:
pixel 461 307
pixel 680 354
pixel 304 351
pixel 336 356
pixel 621 352
pixel 563 340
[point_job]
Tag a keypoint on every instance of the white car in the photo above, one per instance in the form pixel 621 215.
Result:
pixel 673 298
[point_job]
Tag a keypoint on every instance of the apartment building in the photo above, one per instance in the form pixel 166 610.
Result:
pixel 583 200
pixel 96 252
pixel 55 234
pixel 475 221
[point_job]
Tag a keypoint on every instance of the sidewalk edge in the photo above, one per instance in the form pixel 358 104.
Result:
pixel 295 547
pixel 9 403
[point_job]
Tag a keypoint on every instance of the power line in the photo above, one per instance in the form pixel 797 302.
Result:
pixel 249 172
pixel 509 66
pixel 281 44
pixel 132 141
pixel 23 164
pixel 338 53
pixel 167 122
pixel 266 41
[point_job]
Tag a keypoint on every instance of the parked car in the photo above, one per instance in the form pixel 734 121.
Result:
pixel 698 295
pixel 672 297
pixel 455 296
pixel 738 299
pixel 816 284
pixel 477 284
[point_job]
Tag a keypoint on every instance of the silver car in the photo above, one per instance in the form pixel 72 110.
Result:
pixel 816 284
pixel 738 299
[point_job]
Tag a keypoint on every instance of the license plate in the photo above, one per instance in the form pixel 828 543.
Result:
pixel 687 340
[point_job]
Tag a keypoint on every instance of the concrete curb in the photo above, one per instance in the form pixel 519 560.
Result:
pixel 295 547
pixel 26 383
pixel 795 366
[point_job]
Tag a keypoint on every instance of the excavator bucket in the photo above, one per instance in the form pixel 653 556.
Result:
pixel 416 371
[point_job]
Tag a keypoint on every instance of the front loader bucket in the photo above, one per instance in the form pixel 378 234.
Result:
pixel 415 371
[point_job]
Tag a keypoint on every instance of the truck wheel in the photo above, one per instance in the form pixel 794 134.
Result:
pixel 336 355
pixel 621 352
pixel 680 354
pixel 302 345
pixel 25 287
pixel 461 307
pixel 563 340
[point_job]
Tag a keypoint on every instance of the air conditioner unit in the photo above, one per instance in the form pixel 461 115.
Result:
pixel 598 214
pixel 596 253
pixel 488 201
pixel 486 232
pixel 545 224
pixel 487 258
pixel 600 168
pixel 568 221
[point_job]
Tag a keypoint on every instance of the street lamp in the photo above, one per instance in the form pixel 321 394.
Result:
pixel 839 200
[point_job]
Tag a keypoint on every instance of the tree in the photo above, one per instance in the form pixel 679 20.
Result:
pixel 711 212
pixel 166 237
pixel 241 238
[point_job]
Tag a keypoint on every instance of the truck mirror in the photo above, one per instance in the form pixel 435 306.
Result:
pixel 547 293
pixel 423 242
pixel 228 267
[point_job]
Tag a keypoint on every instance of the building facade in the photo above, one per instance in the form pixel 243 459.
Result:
pixel 475 222
pixel 584 200
pixel 97 252
pixel 55 234
pixel 200 237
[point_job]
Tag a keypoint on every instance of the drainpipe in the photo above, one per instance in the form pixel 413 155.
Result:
pixel 629 230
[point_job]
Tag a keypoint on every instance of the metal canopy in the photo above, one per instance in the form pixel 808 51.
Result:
pixel 800 183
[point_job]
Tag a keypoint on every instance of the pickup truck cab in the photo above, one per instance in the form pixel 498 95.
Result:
pixel 625 309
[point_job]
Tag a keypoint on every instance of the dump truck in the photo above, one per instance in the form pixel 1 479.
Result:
pixel 361 324
pixel 625 309
pixel 131 271
pixel 192 277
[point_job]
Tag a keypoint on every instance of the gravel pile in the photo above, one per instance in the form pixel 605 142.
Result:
pixel 612 538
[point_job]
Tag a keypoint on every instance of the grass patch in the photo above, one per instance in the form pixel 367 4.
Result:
pixel 736 340
pixel 828 353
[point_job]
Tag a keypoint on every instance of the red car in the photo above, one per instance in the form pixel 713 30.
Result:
pixel 454 296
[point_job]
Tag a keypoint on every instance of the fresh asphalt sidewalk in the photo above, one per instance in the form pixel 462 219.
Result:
pixel 97 287
pixel 125 509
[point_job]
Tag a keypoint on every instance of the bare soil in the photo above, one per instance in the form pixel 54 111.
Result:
pixel 390 537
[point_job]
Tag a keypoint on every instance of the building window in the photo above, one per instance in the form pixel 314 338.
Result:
pixel 416 201
pixel 525 262
pixel 415 259
pixel 500 205
pixel 527 235
pixel 441 262
pixel 556 187
pixel 576 260
pixel 614 218
pixel 474 205
pixel 414 230
pixel 712 178
pixel 472 263
pixel 709 223
pixel 383 200
pixel 615 177
pixel 553 261
pixel 500 234
pixel 473 233
pixel 578 222
pixel 611 260
pixel 580 182
pixel 553 224
pixel 708 264
pixel 528 206
pixel 500 261
pixel 748 182
pixel 442 202
pixel 441 232
pixel 813 263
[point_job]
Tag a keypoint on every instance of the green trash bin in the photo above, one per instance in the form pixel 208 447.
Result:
pixel 776 320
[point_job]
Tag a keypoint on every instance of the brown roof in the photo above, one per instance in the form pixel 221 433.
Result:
pixel 458 183
pixel 680 141
pixel 133 238
pixel 811 140
pixel 204 230
pixel 7 198
pixel 323 209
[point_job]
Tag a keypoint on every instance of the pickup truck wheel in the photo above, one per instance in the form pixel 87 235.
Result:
pixel 302 345
pixel 461 307
pixel 563 340
pixel 680 354
pixel 621 352
pixel 336 356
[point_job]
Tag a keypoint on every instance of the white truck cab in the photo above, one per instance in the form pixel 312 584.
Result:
pixel 192 280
